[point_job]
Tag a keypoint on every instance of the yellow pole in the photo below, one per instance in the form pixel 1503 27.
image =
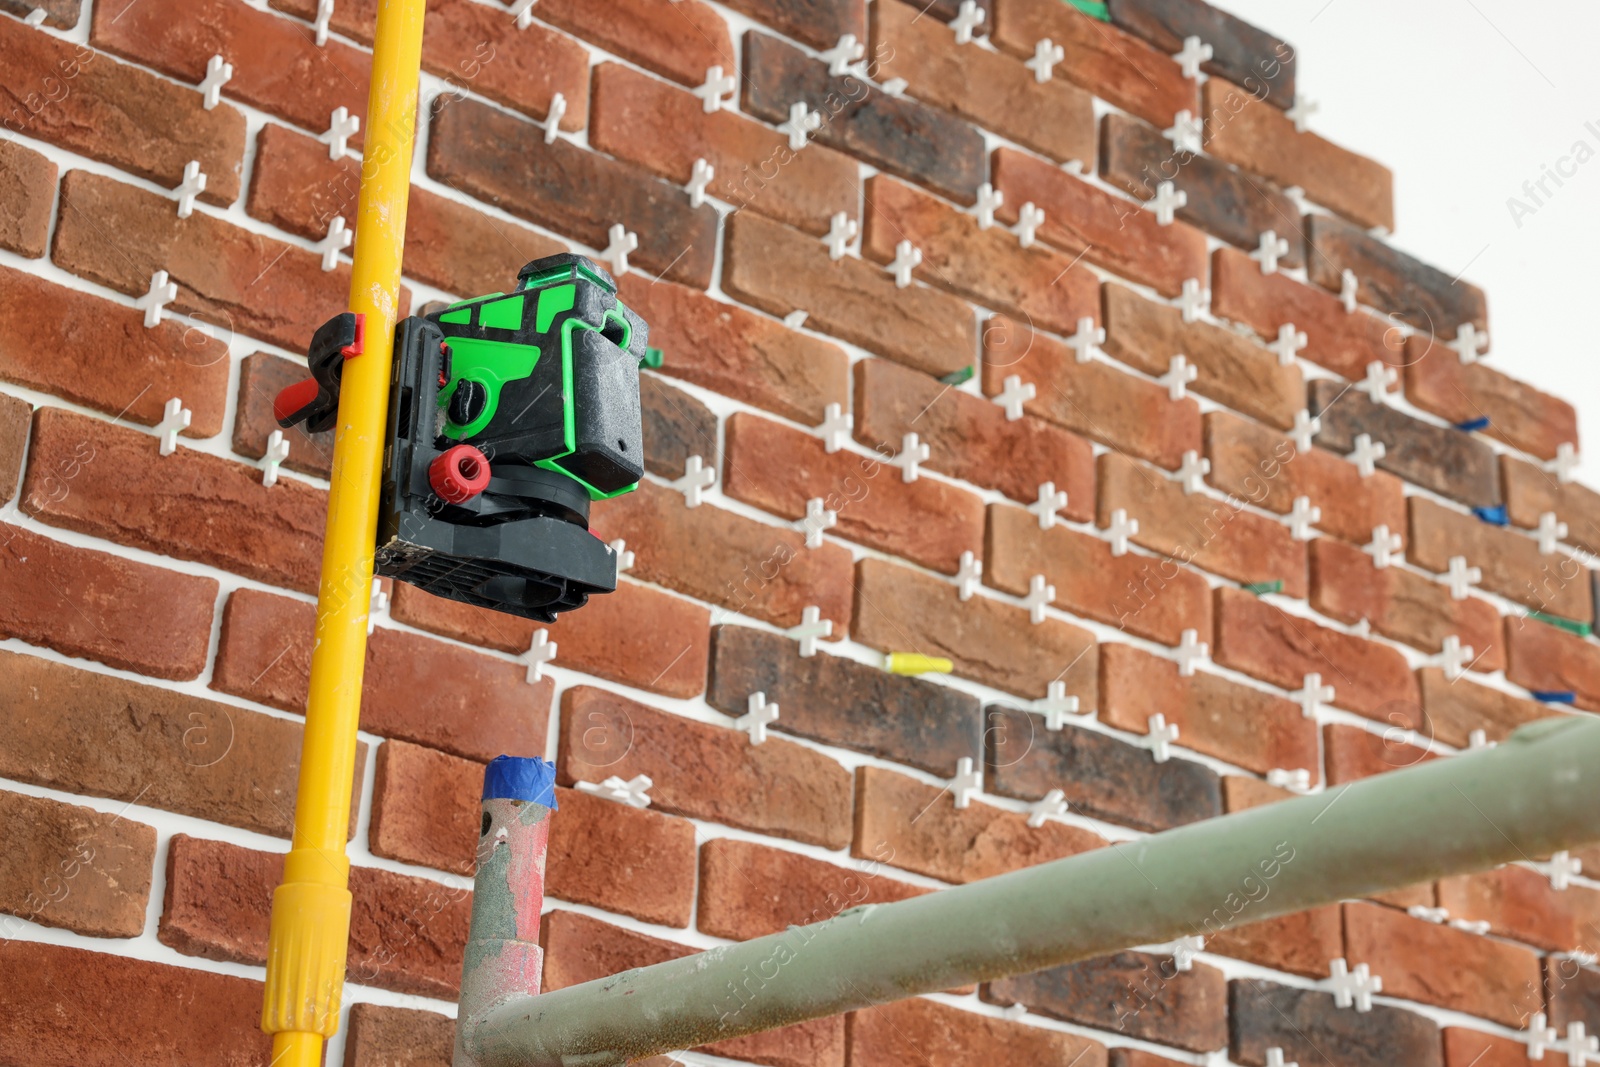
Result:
pixel 311 908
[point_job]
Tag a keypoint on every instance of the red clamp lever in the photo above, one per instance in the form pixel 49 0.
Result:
pixel 315 401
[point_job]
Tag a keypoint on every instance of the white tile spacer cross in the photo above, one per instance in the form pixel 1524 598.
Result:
pixel 895 87
pixel 811 627
pixel 1302 110
pixel 1289 343
pixel 968 18
pixel 1040 595
pixel 620 242
pixel 540 652
pixel 1029 219
pixel 1271 249
pixel 1275 1058
pixel 716 86
pixel 1295 781
pixel 913 453
pixel 320 23
pixel 1185 949
pixel 1349 287
pixel 759 714
pixel 1480 739
pixel 1051 501
pixel 1168 199
pixel 1560 869
pixel 967 783
pixel 1302 517
pixel 1455 657
pixel 625 558
pixel 795 319
pixel 1380 376
pixel 843 55
pixel 1469 343
pixel 377 605
pixel 1194 300
pixel 1540 1036
pixel 1056 706
pixel 1551 532
pixel 193 184
pixel 341 127
pixel 175 418
pixel 818 518
pixel 842 229
pixel 1578 1046
pixel 36 17
pixel 1053 803
pixel 338 239
pixel 835 427
pixel 1306 426
pixel 989 198
pixel 1087 340
pixel 697 478
pixel 1160 738
pixel 907 258
pixel 1436 916
pixel 1015 394
pixel 699 178
pixel 523 10
pixel 1353 988
pixel 1120 530
pixel 800 125
pixel 1190 652
pixel 553 116
pixel 1313 695
pixel 1186 132
pixel 161 293
pixel 1366 454
pixel 1179 374
pixel 968 575
pixel 218 74
pixel 1193 472
pixel 1565 465
pixel 277 451
pixel 1046 54
pixel 635 792
pixel 1384 546
pixel 1195 52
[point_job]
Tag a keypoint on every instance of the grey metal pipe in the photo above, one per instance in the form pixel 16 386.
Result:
pixel 1536 793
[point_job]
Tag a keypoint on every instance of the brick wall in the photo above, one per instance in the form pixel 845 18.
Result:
pixel 156 613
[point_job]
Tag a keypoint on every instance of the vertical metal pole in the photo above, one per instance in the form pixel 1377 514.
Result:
pixel 311 908
pixel 503 959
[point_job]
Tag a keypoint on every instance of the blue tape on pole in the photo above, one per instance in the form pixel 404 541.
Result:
pixel 1474 424
pixel 1555 696
pixel 520 778
pixel 1495 516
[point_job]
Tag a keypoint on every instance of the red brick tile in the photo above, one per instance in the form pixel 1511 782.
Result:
pixel 779 469
pixel 925 1034
pixel 381 1036
pixel 81 602
pixel 623 859
pixel 1113 232
pixel 1266 469
pixel 1456 708
pixel 415 689
pixel 740 354
pixel 85 732
pixel 819 23
pixel 1475 1048
pixel 1530 492
pixel 1243 54
pixel 99 354
pixel 27 196
pixel 1512 564
pixel 425 807
pixel 75 867
pixel 1094 399
pixel 16 416
pixel 677 42
pixel 117 113
pixel 665 129
pixel 1100 57
pixel 262 376
pixel 781 270
pixel 1142 595
pixel 1521 905
pixel 1301 943
pixel 58 998
pixel 1399 286
pixel 1264 642
pixel 902 610
pixel 1219 717
pixel 1443 966
pixel 406 933
pixel 717 556
pixel 1305 1022
pixel 189 505
pixel 229 278
pixel 916 827
pixel 1347 585
pixel 1352 753
pixel 1200 529
pixel 1543 657
pixel 1243 130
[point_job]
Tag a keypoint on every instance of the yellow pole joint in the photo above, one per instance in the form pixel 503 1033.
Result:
pixel 311 908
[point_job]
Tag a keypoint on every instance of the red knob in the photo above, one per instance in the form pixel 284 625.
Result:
pixel 292 399
pixel 459 474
